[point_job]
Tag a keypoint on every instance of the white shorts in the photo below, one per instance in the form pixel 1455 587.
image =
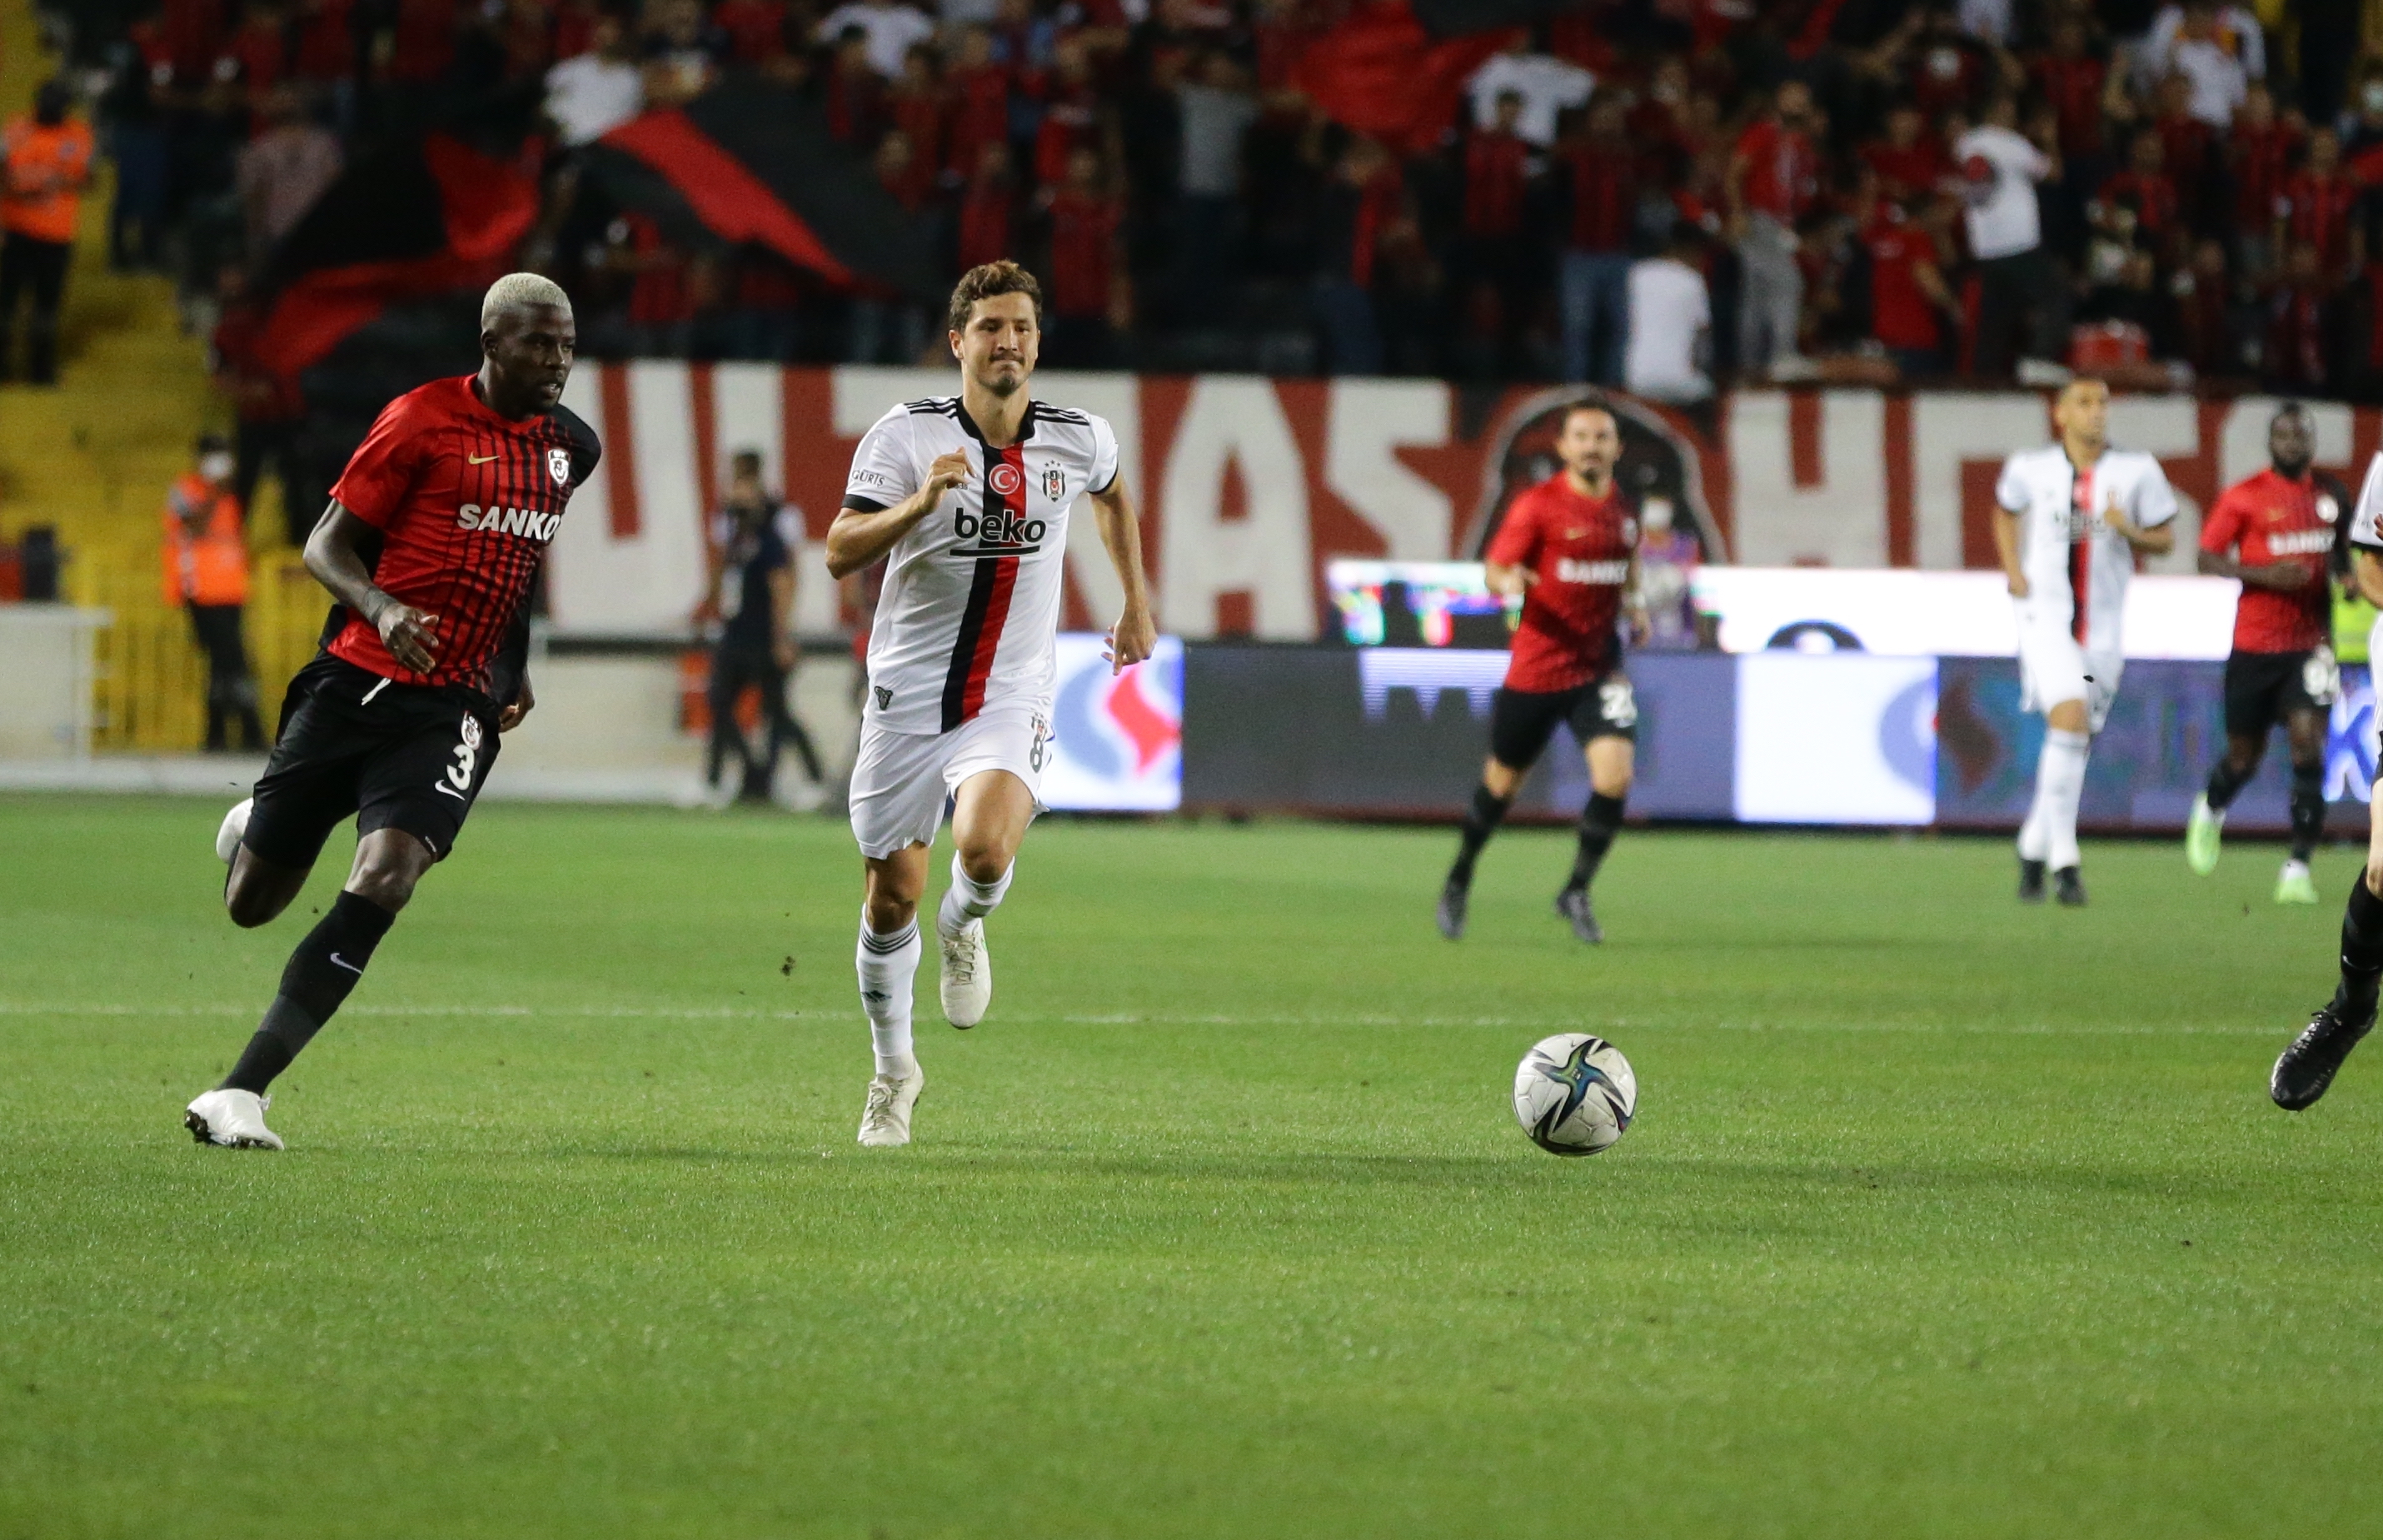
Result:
pixel 2053 666
pixel 900 780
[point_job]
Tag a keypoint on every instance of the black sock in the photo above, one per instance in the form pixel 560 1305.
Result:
pixel 2224 783
pixel 2308 809
pixel 322 970
pixel 1481 820
pixel 2362 942
pixel 1599 822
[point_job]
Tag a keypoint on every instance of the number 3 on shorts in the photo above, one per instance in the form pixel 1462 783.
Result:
pixel 467 755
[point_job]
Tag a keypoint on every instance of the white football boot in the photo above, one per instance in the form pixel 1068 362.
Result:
pixel 886 1121
pixel 965 987
pixel 234 1119
pixel 234 826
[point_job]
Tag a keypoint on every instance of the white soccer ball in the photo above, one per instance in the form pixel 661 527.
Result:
pixel 1575 1094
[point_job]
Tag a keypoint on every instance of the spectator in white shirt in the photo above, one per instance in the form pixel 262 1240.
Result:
pixel 592 95
pixel 2213 47
pixel 893 30
pixel 1999 167
pixel 2232 29
pixel 1547 85
pixel 1671 310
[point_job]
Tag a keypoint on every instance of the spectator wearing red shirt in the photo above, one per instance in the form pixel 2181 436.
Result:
pixel 260 51
pixel 2296 323
pixel 269 409
pixel 1658 123
pixel 978 86
pixel 2188 147
pixel 1907 290
pixel 2143 189
pixel 1070 112
pixel 2260 149
pixel 918 109
pixel 765 318
pixel 2073 81
pixel 1769 184
pixel 856 92
pixel 756 30
pixel 2316 210
pixel 1359 197
pixel 1910 162
pixel 985 208
pixel 422 46
pixel 1600 173
pixel 327 42
pixel 1083 217
pixel 1497 180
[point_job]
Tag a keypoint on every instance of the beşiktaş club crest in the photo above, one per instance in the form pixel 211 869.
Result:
pixel 1055 481
pixel 558 465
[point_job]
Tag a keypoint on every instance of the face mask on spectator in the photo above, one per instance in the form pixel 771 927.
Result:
pixel 216 467
pixel 2372 94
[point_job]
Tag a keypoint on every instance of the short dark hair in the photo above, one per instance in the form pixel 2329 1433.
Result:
pixel 1576 408
pixel 984 283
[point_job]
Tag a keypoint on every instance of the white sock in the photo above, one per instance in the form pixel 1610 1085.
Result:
pixel 887 964
pixel 968 899
pixel 2060 785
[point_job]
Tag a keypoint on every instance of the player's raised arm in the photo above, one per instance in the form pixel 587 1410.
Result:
pixel 335 557
pixel 1135 635
pixel 861 536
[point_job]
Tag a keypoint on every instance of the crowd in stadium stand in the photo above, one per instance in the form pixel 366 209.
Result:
pixel 1666 195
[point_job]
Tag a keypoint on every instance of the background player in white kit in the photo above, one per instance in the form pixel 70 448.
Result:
pixel 2070 518
pixel 968 498
pixel 2306 1067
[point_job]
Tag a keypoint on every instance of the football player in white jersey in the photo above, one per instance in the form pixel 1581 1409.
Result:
pixel 2071 519
pixel 2304 1069
pixel 966 499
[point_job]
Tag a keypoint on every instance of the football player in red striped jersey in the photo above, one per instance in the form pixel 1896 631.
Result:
pixel 431 541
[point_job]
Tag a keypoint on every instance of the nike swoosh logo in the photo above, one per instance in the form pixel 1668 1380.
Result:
pixel 451 791
pixel 478 459
pixel 341 962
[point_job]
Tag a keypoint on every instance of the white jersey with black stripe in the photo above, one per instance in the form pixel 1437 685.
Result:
pixel 2077 566
pixel 971 607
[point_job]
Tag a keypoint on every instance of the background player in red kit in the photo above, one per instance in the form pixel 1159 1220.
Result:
pixel 1568 548
pixel 430 544
pixel 2277 533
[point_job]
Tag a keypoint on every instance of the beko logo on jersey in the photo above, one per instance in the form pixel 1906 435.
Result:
pixel 1000 529
pixel 527 523
pixel 2301 542
pixel 1570 570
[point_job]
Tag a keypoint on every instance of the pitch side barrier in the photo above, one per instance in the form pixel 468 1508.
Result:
pixel 1777 736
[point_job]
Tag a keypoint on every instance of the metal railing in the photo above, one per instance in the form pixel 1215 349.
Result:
pixel 151 680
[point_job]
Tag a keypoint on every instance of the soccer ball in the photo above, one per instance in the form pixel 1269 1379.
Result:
pixel 1575 1094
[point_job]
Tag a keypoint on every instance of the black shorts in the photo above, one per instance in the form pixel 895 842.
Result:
pixel 409 756
pixel 1521 722
pixel 2263 688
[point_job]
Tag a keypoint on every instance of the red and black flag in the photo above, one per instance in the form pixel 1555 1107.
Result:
pixel 747 164
pixel 425 218
pixel 1382 72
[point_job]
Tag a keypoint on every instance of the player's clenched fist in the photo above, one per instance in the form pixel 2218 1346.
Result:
pixel 947 471
pixel 411 636
pixel 1134 639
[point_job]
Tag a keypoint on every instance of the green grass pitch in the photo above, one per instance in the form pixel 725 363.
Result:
pixel 1941 1216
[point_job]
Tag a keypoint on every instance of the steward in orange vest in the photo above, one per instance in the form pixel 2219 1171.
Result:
pixel 44 165
pixel 205 566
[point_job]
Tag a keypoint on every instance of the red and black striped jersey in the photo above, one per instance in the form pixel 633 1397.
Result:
pixel 467 502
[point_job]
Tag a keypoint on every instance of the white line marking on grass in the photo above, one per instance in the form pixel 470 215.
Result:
pixel 1161 1018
